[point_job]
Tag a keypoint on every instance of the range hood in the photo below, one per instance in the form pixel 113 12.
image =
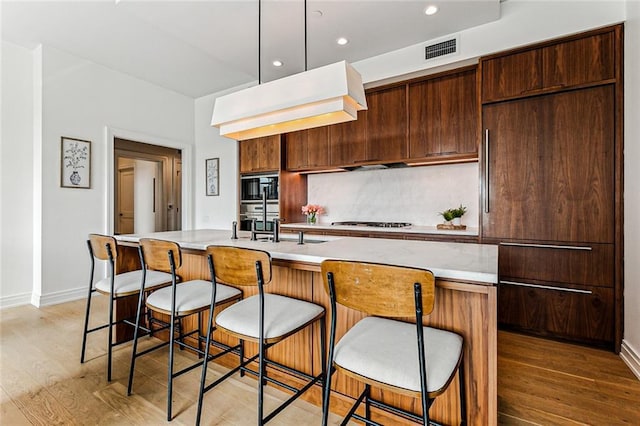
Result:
pixel 366 167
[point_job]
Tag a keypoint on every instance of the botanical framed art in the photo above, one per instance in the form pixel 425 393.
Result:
pixel 213 176
pixel 75 162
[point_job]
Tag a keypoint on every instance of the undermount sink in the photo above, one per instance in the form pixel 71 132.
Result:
pixel 294 238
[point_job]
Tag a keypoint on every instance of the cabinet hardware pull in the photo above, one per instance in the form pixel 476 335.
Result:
pixel 486 170
pixel 546 287
pixel 551 246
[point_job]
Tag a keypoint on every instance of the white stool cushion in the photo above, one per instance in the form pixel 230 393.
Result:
pixel 387 351
pixel 190 296
pixel 281 315
pixel 129 282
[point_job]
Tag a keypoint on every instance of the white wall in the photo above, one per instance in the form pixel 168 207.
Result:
pixel 220 210
pixel 631 342
pixel 16 170
pixel 79 99
pixel 414 195
pixel 520 23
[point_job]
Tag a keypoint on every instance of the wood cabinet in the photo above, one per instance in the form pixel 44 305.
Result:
pixel 443 117
pixel 549 189
pixel 347 142
pixel 552 186
pixel 585 315
pixel 550 167
pixel 558 264
pixel 260 154
pixel 581 60
pixel 387 125
pixel 307 149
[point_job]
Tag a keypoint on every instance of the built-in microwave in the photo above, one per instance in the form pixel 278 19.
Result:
pixel 253 186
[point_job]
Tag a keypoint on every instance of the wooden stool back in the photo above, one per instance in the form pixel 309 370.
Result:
pixel 379 289
pixel 235 265
pixel 156 254
pixel 99 246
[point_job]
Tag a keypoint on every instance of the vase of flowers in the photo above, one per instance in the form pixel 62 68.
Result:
pixel 312 211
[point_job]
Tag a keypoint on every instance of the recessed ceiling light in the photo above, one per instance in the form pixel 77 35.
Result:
pixel 277 63
pixel 342 41
pixel 431 10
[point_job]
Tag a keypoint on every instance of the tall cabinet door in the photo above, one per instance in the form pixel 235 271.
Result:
pixel 549 170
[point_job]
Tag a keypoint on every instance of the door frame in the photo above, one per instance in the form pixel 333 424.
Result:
pixel 187 171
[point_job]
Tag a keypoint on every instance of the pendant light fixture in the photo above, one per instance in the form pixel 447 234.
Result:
pixel 326 95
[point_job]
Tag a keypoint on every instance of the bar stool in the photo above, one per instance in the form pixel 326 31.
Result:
pixel 402 357
pixel 178 301
pixel 264 318
pixel 116 286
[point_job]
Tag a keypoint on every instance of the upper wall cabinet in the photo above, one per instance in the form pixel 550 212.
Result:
pixel 443 117
pixel 433 119
pixel 347 142
pixel 387 125
pixel 308 149
pixel 260 154
pixel 580 61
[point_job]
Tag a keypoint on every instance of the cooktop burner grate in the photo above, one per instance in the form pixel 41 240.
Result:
pixel 374 224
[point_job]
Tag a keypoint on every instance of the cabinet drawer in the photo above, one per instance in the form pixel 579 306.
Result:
pixel 583 317
pixel 590 265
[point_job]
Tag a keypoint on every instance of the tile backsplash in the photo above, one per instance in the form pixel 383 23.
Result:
pixel 411 194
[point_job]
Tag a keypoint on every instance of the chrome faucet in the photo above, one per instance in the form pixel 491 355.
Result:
pixel 275 232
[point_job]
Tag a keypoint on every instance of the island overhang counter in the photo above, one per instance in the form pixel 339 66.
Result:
pixel 466 302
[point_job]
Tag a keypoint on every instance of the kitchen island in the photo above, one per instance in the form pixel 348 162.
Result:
pixel 466 275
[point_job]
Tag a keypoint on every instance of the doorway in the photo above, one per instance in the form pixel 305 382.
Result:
pixel 147 188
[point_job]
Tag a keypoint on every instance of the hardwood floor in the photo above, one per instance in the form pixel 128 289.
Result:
pixel 43 383
pixel 544 382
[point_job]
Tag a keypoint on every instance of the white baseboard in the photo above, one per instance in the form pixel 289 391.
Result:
pixel 631 358
pixel 15 300
pixel 59 297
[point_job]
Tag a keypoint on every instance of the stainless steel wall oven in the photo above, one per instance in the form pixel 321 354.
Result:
pixel 259 200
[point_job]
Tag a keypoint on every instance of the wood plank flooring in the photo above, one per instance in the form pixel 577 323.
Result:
pixel 42 382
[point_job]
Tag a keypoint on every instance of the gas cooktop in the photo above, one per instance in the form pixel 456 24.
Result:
pixel 374 224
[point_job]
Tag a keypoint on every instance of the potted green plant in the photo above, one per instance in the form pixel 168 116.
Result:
pixel 457 214
pixel 452 216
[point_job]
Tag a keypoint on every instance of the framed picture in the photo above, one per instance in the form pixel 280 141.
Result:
pixel 75 162
pixel 213 176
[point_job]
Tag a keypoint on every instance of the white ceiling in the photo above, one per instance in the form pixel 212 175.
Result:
pixel 201 47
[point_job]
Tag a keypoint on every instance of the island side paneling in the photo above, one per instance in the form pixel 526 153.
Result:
pixel 466 308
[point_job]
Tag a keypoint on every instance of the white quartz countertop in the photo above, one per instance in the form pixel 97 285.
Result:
pixel 469 232
pixel 455 261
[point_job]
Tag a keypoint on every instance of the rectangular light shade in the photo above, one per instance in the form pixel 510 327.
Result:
pixel 319 97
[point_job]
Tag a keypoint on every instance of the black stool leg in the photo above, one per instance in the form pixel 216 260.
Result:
pixel 180 334
pixel 241 355
pixel 199 334
pixel 261 384
pixel 170 376
pixel 367 402
pixel 110 347
pixel 149 316
pixel 205 361
pixel 135 342
pixel 86 325
pixel 463 394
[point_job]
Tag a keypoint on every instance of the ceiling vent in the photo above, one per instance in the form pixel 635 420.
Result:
pixel 445 47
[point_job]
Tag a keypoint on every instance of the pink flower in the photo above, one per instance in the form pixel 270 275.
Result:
pixel 312 209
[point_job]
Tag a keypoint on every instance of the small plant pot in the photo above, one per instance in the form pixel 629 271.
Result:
pixel 456 221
